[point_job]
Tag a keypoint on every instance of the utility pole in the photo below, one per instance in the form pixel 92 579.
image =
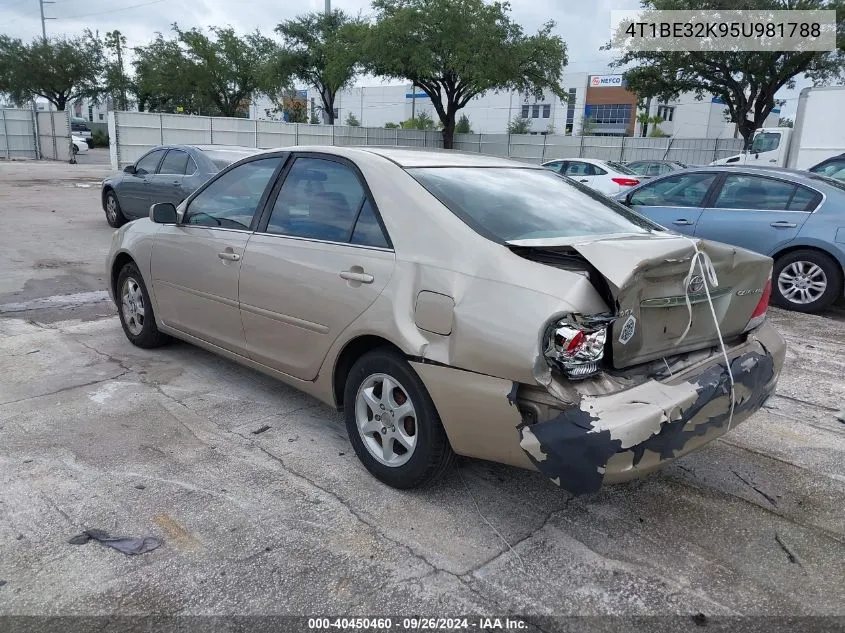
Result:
pixel 328 7
pixel 41 4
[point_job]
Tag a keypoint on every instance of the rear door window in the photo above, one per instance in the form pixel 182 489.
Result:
pixel 741 191
pixel 324 200
pixel 174 163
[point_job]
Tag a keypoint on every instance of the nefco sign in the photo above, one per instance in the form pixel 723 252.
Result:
pixel 606 81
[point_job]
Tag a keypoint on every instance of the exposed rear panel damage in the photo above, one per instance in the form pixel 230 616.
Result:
pixel 620 435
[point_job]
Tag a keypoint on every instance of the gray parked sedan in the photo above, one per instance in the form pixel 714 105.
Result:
pixel 169 173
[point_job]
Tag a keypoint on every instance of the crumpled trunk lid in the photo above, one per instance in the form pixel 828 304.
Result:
pixel 647 276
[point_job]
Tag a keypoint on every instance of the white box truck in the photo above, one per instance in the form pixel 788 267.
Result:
pixel 819 133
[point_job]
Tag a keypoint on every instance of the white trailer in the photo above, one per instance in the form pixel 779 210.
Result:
pixel 819 133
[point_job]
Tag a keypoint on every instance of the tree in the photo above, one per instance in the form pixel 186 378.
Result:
pixel 422 121
pixel 519 125
pixel 117 82
pixel 785 122
pixel 352 120
pixel 645 120
pixel 588 126
pixel 321 50
pixel 746 81
pixel 58 69
pixel 463 125
pixel 314 120
pixel 166 80
pixel 232 69
pixel 454 50
pixel 391 126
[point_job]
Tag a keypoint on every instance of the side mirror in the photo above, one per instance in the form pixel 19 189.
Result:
pixel 163 213
pixel 129 169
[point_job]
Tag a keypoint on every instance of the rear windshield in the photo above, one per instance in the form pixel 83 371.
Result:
pixel 508 204
pixel 224 158
pixel 620 168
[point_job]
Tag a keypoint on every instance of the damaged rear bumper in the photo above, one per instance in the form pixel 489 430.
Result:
pixel 614 436
pixel 623 435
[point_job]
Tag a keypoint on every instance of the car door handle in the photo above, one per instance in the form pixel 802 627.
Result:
pixel 783 224
pixel 583 180
pixel 772 160
pixel 351 275
pixel 683 222
pixel 231 257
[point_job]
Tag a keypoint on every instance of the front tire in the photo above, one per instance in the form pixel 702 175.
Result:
pixel 114 214
pixel 806 281
pixel 136 310
pixel 392 423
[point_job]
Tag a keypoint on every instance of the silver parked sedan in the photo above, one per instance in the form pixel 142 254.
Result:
pixel 454 303
pixel 169 173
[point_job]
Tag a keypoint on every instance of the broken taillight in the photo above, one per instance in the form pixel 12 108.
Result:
pixel 575 345
pixel 759 314
pixel 626 182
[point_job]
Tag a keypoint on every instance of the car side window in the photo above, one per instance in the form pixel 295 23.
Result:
pixel 804 200
pixel 740 191
pixel 148 164
pixel 190 166
pixel 653 169
pixel 367 231
pixel 319 199
pixel 833 169
pixel 174 163
pixel 555 166
pixel 231 200
pixel 683 190
pixel 597 171
pixel 577 168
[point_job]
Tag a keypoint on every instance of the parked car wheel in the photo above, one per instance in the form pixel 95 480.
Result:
pixel 136 311
pixel 114 216
pixel 392 423
pixel 806 281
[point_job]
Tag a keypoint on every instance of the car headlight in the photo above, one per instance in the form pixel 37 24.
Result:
pixel 575 343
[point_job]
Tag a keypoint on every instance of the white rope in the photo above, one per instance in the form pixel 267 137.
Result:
pixel 708 274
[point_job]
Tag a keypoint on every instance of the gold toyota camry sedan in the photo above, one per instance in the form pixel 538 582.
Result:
pixel 459 304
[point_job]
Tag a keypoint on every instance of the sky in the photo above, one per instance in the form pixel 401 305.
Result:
pixel 583 24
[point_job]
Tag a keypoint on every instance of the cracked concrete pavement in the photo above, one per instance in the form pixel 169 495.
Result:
pixel 95 433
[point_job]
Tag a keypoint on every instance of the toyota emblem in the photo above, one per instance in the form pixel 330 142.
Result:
pixel 695 284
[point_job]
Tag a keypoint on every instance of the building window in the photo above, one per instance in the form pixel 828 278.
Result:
pixel 90 113
pixel 570 111
pixel 609 113
pixel 535 111
pixel 665 112
pixel 547 111
pixel 525 111
pixel 102 117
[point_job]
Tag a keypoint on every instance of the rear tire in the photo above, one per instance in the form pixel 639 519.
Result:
pixel 135 310
pixel 806 280
pixel 403 417
pixel 114 215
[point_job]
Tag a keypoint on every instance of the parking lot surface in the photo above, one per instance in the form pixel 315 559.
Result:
pixel 95 433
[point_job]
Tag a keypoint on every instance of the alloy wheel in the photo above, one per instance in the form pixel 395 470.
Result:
pixel 111 208
pixel 132 304
pixel 386 419
pixel 802 282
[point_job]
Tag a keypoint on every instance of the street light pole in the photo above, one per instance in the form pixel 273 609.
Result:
pixel 41 4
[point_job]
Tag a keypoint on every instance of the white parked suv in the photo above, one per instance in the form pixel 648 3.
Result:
pixel 604 176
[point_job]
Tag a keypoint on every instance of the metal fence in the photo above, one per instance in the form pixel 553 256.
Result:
pixel 134 133
pixel 17 134
pixel 31 134
pixel 54 141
